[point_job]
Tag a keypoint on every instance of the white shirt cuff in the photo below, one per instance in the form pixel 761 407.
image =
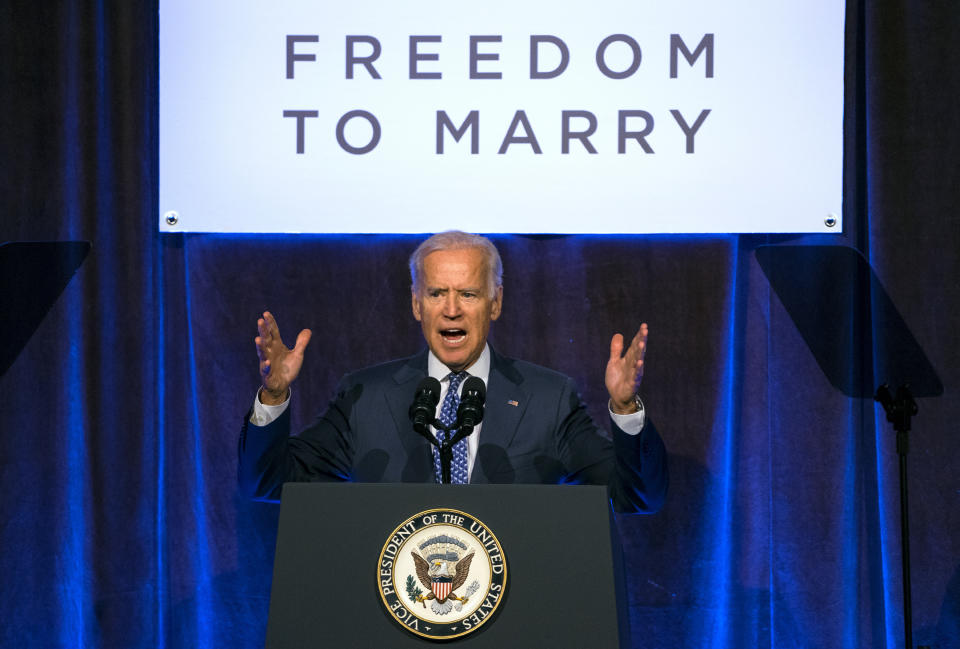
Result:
pixel 631 424
pixel 262 414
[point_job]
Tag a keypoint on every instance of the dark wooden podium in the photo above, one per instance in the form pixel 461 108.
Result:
pixel 564 585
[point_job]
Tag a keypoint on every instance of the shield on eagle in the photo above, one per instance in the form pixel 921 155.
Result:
pixel 441 587
pixel 441 569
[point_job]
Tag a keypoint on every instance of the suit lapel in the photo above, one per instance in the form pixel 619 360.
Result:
pixel 506 402
pixel 398 398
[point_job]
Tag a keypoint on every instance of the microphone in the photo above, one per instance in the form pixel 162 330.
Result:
pixel 424 405
pixel 470 412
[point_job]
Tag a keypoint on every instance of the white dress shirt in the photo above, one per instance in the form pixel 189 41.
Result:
pixel 631 424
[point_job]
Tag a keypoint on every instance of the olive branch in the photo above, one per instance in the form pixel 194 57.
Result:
pixel 413 591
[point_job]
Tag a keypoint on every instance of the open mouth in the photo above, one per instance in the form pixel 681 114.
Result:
pixel 453 336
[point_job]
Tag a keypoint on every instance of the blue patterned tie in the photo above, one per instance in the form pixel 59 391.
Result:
pixel 448 417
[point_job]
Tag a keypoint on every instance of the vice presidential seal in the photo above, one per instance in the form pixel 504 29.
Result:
pixel 441 574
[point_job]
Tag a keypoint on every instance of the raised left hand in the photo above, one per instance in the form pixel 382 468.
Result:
pixel 625 371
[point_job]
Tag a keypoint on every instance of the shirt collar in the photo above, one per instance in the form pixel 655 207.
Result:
pixel 480 368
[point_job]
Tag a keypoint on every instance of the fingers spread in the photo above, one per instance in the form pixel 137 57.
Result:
pixel 616 346
pixel 267 327
pixel 640 343
pixel 266 333
pixel 303 338
pixel 640 340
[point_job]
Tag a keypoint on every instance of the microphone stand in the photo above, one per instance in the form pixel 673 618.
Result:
pixel 444 448
pixel 900 409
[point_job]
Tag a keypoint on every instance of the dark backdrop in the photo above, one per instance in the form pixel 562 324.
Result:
pixel 119 522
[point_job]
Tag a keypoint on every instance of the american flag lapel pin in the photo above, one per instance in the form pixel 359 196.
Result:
pixel 511 402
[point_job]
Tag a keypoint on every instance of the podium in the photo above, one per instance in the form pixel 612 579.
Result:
pixel 563 578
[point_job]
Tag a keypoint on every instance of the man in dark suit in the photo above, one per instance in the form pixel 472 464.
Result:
pixel 535 428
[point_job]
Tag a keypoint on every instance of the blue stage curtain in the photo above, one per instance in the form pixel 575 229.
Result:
pixel 120 525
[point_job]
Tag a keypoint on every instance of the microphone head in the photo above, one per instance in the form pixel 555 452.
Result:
pixel 430 386
pixel 470 412
pixel 475 384
pixel 425 401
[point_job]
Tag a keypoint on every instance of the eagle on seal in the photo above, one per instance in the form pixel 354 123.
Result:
pixel 441 577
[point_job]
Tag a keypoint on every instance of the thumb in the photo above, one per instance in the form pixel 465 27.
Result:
pixel 616 347
pixel 303 338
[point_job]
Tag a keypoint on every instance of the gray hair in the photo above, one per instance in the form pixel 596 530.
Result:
pixel 457 240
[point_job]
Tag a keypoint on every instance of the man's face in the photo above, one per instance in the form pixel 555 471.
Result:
pixel 453 305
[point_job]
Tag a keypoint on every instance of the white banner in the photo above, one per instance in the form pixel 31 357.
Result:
pixel 523 116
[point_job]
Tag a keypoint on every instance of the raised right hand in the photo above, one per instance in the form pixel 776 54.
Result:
pixel 279 366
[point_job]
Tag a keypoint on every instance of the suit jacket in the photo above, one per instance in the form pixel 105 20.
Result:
pixel 535 430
